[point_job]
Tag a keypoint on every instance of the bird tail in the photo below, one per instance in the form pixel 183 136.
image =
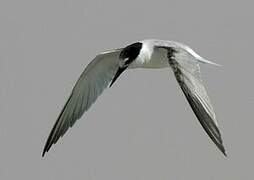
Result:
pixel 205 61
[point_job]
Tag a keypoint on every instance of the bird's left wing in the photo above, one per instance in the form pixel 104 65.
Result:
pixel 95 78
pixel 187 72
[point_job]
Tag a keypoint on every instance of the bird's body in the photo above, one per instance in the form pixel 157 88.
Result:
pixel 103 71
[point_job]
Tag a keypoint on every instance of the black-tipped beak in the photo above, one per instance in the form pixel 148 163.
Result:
pixel 118 73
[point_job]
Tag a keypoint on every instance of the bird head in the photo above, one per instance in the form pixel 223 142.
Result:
pixel 126 57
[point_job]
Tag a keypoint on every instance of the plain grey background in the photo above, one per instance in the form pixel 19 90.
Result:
pixel 142 128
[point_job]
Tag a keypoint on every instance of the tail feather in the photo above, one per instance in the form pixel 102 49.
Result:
pixel 205 61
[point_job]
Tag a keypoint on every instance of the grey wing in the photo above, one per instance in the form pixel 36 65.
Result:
pixel 187 73
pixel 95 78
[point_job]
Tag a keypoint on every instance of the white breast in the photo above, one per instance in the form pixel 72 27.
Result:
pixel 150 57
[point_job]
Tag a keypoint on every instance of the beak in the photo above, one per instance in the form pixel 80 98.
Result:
pixel 118 73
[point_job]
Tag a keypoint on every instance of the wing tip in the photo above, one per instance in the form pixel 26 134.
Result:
pixel 43 153
pixel 49 142
pixel 219 143
pixel 46 147
pixel 54 133
pixel 222 149
pixel 225 154
pixel 52 139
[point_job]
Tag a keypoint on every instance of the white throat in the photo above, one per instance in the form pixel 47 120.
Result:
pixel 150 57
pixel 145 53
pixel 144 56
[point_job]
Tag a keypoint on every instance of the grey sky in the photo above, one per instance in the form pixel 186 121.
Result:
pixel 142 128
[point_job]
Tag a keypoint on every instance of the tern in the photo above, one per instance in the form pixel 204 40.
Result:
pixel 106 67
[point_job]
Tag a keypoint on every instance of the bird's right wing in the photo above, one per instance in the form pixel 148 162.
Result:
pixel 95 78
pixel 187 72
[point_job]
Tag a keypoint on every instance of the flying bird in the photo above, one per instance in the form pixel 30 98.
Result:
pixel 106 67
